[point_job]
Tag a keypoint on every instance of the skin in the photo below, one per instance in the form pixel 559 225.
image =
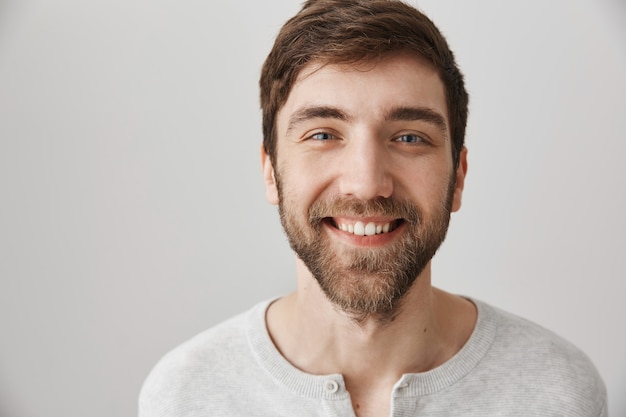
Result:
pixel 362 153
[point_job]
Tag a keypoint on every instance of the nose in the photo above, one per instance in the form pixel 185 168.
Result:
pixel 364 172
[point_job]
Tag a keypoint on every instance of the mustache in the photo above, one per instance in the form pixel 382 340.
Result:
pixel 383 207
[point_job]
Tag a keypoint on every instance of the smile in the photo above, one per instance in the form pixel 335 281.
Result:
pixel 360 228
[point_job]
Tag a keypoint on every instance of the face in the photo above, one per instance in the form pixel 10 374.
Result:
pixel 364 177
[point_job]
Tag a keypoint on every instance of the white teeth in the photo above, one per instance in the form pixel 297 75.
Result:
pixel 361 229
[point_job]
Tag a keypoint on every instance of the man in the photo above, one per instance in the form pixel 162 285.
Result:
pixel 364 114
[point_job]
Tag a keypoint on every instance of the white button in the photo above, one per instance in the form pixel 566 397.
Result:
pixel 331 386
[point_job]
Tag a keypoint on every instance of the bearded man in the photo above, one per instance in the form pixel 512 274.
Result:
pixel 364 114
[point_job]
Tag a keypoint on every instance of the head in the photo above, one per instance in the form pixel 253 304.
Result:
pixel 354 32
pixel 379 75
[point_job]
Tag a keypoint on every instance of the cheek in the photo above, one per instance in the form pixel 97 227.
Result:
pixel 304 181
pixel 295 191
pixel 426 186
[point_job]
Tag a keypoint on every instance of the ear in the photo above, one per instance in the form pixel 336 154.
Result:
pixel 461 172
pixel 271 188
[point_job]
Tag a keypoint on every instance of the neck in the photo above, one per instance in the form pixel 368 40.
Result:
pixel 318 338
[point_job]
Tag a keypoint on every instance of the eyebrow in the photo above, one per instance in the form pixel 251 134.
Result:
pixel 400 113
pixel 316 112
pixel 417 113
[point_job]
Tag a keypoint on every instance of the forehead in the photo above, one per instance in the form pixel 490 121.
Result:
pixel 367 89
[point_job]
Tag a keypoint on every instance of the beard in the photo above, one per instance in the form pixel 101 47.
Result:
pixel 366 281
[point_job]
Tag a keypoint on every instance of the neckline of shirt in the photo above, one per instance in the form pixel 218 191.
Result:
pixel 332 386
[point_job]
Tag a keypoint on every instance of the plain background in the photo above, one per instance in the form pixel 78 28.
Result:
pixel 132 210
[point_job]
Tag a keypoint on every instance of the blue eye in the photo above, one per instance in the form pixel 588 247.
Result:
pixel 322 136
pixel 409 138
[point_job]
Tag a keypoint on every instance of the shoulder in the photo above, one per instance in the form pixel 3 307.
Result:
pixel 206 349
pixel 540 365
pixel 200 364
pixel 518 338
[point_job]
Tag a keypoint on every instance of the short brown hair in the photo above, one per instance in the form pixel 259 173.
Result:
pixel 351 31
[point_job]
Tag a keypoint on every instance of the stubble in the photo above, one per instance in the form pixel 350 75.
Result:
pixel 365 282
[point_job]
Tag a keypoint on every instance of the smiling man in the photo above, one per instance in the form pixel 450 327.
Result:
pixel 364 114
pixel 365 180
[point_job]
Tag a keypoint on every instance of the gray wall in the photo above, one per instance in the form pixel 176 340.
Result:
pixel 132 211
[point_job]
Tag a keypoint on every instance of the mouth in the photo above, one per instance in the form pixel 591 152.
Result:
pixel 364 228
